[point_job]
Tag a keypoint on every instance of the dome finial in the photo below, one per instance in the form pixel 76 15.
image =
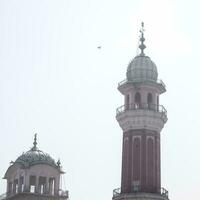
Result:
pixel 35 142
pixel 142 39
pixel 58 162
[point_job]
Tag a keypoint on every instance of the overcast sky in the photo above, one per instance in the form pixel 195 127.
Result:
pixel 54 81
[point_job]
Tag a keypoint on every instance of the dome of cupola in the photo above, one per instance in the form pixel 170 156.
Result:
pixel 35 156
pixel 142 68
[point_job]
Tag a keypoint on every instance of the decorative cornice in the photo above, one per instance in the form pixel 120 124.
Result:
pixel 141 119
pixel 140 196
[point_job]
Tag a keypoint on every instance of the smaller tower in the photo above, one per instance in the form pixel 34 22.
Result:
pixel 34 176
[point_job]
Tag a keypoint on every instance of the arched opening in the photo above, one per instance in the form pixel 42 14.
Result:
pixel 10 188
pixel 15 186
pixel 32 184
pixel 51 186
pixel 150 101
pixel 157 102
pixel 127 102
pixel 42 185
pixel 21 184
pixel 137 100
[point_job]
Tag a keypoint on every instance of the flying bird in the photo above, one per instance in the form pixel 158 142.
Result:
pixel 99 47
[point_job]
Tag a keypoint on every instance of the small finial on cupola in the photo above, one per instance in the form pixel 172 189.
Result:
pixel 35 143
pixel 58 163
pixel 142 39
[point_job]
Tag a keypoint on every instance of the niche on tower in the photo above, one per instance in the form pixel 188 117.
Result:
pixel 137 100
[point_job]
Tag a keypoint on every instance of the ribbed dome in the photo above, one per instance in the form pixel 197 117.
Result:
pixel 141 69
pixel 34 157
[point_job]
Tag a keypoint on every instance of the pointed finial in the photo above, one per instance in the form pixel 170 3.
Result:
pixel 35 142
pixel 142 39
pixel 58 163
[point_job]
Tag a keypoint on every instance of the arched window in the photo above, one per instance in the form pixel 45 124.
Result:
pixel 52 186
pixel 32 184
pixel 157 102
pixel 137 100
pixel 15 186
pixel 127 102
pixel 21 184
pixel 10 188
pixel 150 101
pixel 42 185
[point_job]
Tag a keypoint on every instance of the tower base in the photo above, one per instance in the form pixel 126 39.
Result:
pixel 32 196
pixel 140 196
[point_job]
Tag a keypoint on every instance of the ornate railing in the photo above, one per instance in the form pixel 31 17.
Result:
pixel 2 196
pixel 164 192
pixel 59 193
pixel 141 106
pixel 116 192
pixel 154 190
pixel 139 80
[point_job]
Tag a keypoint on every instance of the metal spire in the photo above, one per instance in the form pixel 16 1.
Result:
pixel 58 163
pixel 142 39
pixel 35 142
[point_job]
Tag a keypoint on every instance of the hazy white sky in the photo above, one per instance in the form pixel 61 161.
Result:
pixel 54 81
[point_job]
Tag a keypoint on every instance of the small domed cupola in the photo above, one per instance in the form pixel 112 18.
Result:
pixel 142 68
pixel 35 156
pixel 35 175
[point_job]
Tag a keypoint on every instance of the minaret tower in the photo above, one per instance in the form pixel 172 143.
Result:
pixel 141 119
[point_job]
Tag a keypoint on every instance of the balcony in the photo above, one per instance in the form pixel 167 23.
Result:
pixel 142 106
pixel 139 191
pixel 57 195
pixel 160 82
pixel 141 116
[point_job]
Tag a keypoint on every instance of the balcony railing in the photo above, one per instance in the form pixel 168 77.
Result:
pixel 154 190
pixel 139 80
pixel 142 106
pixel 2 196
pixel 60 193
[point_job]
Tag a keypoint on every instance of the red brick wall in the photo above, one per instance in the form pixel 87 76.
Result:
pixel 140 160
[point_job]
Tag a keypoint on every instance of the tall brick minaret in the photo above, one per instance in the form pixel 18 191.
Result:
pixel 141 119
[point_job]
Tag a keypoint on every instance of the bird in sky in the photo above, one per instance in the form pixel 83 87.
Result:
pixel 99 47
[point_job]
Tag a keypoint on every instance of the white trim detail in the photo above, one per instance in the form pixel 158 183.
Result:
pixel 147 175
pixel 141 119
pixel 140 139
